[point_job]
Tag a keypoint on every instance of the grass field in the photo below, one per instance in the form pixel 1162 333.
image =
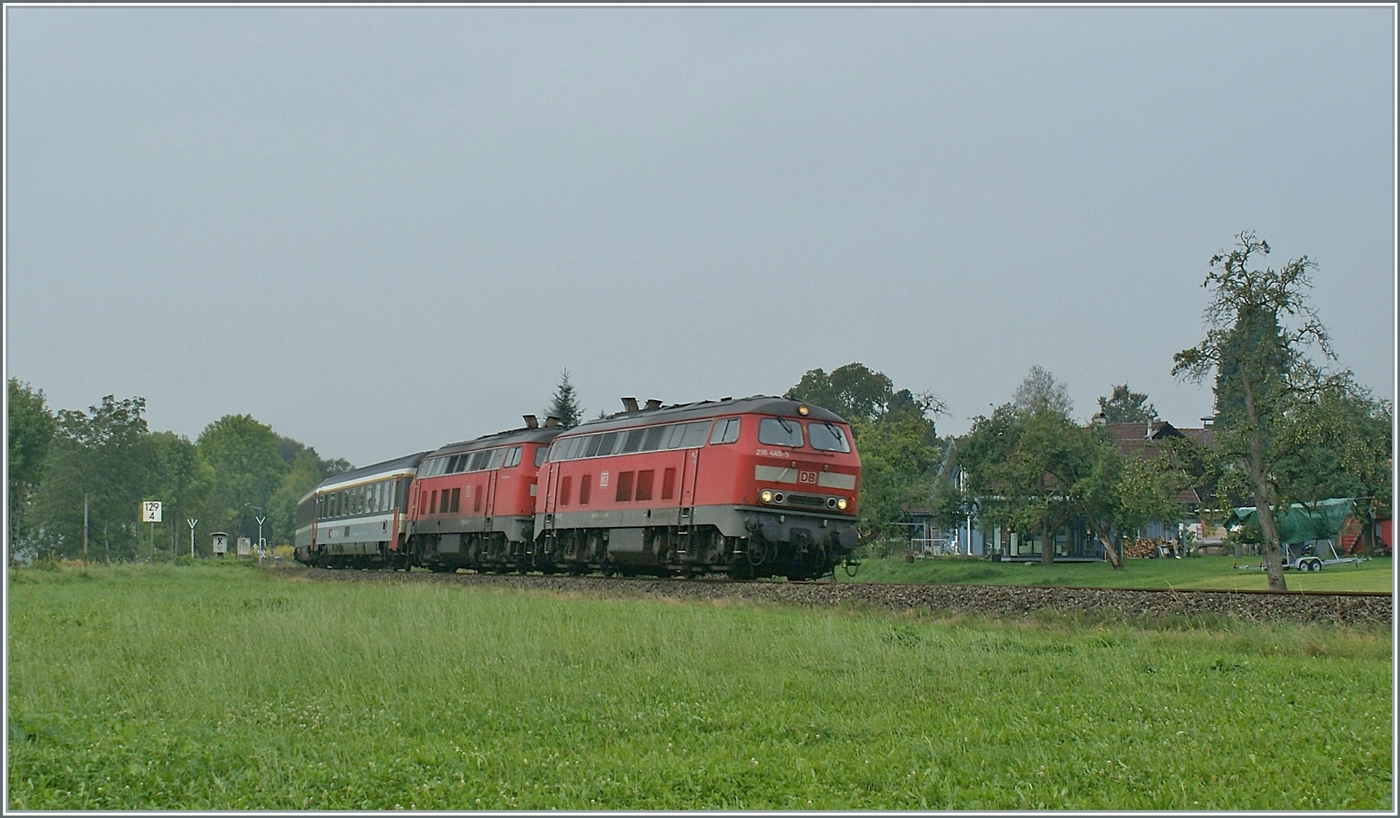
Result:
pixel 228 688
pixel 1193 572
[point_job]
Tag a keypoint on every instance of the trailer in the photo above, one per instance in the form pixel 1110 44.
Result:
pixel 1306 556
pixel 1309 531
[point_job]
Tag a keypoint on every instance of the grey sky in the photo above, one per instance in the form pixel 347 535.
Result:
pixel 380 230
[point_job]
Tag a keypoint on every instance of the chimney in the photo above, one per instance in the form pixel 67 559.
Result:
pixel 531 422
pixel 551 422
pixel 629 404
pixel 652 403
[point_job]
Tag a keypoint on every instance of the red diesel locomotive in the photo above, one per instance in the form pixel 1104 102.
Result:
pixel 755 487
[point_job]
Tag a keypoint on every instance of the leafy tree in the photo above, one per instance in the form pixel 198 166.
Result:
pixel 1041 392
pixel 247 471
pixel 1259 328
pixel 1339 445
pixel 180 479
pixel 305 474
pixel 31 429
pixel 1127 406
pixel 104 455
pixel 565 404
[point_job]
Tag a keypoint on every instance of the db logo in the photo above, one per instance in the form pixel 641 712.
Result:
pixel 807 477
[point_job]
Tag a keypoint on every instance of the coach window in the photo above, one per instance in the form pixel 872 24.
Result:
pixel 497 458
pixel 726 431
pixel 513 457
pixel 609 441
pixel 634 441
pixel 653 438
pixel 780 432
pixel 591 448
pixel 674 435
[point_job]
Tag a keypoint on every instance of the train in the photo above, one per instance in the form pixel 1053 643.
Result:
pixel 747 488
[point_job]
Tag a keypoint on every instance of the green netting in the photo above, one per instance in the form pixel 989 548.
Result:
pixel 1311 521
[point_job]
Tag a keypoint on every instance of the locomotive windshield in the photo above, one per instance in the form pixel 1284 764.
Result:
pixel 780 432
pixel 827 437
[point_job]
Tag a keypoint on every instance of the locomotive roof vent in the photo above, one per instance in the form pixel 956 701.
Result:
pixel 652 403
pixel 722 400
pixel 629 404
pixel 551 422
pixel 531 422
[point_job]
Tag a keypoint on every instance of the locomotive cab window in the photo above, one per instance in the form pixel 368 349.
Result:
pixel 780 432
pixel 726 431
pixel 539 455
pixel 827 437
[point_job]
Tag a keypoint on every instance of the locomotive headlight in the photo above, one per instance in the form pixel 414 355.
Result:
pixel 766 495
pixel 803 410
pixel 841 503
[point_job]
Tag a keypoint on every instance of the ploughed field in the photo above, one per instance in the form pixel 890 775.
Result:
pixel 223 687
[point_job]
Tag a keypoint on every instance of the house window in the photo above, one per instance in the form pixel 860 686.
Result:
pixel 668 484
pixel 584 487
pixel 644 480
pixel 624 486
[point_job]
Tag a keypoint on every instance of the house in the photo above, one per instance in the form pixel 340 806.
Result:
pixel 1074 541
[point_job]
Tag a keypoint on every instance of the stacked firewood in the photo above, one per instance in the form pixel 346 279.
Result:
pixel 1145 548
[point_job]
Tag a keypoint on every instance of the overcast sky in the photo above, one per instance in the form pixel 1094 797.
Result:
pixel 379 230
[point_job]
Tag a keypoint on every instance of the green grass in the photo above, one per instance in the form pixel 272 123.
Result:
pixel 224 688
pixel 1186 573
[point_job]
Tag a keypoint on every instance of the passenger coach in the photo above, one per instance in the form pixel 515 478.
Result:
pixel 358 518
pixel 760 486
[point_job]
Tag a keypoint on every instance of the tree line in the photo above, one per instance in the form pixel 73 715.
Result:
pixel 77 480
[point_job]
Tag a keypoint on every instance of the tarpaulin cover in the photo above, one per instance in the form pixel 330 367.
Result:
pixel 1313 521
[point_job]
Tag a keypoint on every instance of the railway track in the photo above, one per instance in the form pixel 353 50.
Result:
pixel 1343 608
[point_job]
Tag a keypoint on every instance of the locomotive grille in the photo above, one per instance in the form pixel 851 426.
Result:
pixel 806 500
